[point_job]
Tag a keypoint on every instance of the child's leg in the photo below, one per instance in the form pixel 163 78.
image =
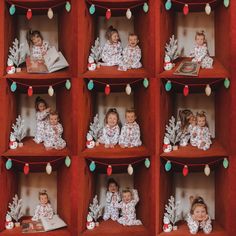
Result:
pixel 60 144
pixel 122 220
pixel 106 214
pixel 115 214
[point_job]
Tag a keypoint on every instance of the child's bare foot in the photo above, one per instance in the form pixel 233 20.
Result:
pixel 107 145
pixel 122 146
pixel 111 146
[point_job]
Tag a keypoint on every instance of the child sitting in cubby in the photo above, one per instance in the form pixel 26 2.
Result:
pixel 53 132
pixel 127 205
pixel 200 135
pixel 131 54
pixel 130 132
pixel 112 198
pixel 111 131
pixel 200 52
pixel 42 114
pixel 112 50
pixel 198 217
pixel 44 208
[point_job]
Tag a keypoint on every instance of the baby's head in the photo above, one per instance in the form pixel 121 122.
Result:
pixel 112 186
pixel 112 117
pixel 40 104
pixel 130 116
pixel 201 119
pixel 112 35
pixel 127 195
pixel 198 208
pixel 200 38
pixel 43 197
pixel 133 40
pixel 35 37
pixel 53 118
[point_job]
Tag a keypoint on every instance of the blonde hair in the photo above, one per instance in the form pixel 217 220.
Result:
pixel 201 33
pixel 43 192
pixel 110 31
pixel 184 116
pixel 195 202
pixel 202 114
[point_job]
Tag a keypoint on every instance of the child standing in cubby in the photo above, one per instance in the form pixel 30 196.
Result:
pixel 112 50
pixel 44 209
pixel 53 132
pixel 127 205
pixel 42 114
pixel 198 217
pixel 111 131
pixel 112 198
pixel 200 135
pixel 130 132
pixel 200 52
pixel 131 54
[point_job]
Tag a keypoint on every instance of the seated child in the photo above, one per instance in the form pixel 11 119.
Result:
pixel 112 198
pixel 44 209
pixel 198 217
pixel 53 132
pixel 127 205
pixel 130 132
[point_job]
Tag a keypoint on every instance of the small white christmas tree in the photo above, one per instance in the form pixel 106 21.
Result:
pixel 15 208
pixel 171 48
pixel 95 209
pixel 96 50
pixel 95 128
pixel 173 131
pixel 17 54
pixel 172 210
pixel 19 129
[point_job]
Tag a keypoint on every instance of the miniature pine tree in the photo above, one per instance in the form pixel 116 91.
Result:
pixel 16 52
pixel 172 210
pixel 95 209
pixel 173 131
pixel 95 128
pixel 15 208
pixel 19 129
pixel 171 48
pixel 96 50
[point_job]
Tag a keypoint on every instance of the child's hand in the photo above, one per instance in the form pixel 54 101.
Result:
pixel 122 146
pixel 202 144
pixel 97 143
pixel 112 146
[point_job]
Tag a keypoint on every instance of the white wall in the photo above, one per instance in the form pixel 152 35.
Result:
pixel 29 187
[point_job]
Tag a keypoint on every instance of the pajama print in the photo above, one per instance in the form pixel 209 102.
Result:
pixel 200 54
pixel 194 226
pixel 186 136
pixel 53 137
pixel 112 54
pixel 38 52
pixel 130 135
pixel 110 136
pixel 199 135
pixel 43 211
pixel 110 210
pixel 41 120
pixel 128 215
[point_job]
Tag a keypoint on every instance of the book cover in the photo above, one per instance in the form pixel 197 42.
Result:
pixel 188 68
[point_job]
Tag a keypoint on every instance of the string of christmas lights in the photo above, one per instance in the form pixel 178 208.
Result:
pixel 185 170
pixel 107 88
pixel 130 169
pixel 26 168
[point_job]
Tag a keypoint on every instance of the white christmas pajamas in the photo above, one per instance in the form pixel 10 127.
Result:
pixel 200 54
pixel 41 121
pixel 38 52
pixel 186 136
pixel 110 136
pixel 128 215
pixel 53 137
pixel 43 211
pixel 112 54
pixel 194 226
pixel 130 135
pixel 111 211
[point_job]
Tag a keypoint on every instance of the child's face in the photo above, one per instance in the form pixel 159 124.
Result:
pixel 126 197
pixel 199 213
pixel 191 119
pixel 53 119
pixel 200 40
pixel 130 117
pixel 113 188
pixel 36 40
pixel 41 106
pixel 201 121
pixel 43 199
pixel 114 37
pixel 133 40
pixel 112 120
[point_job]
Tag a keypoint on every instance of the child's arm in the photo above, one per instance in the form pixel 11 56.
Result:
pixel 192 224
pixel 135 196
pixel 114 140
pixel 43 114
pixel 108 197
pixel 137 141
pixel 50 211
pixel 203 53
pixel 59 129
pixel 36 214
pixel 137 57
pixel 207 226
pixel 122 136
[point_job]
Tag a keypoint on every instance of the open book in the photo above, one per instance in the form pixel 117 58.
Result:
pixel 53 61
pixel 42 225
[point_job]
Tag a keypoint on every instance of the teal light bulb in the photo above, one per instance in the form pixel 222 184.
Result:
pixel 226 3
pixel 147 163
pixel 9 164
pixel 168 166
pixel 145 83
pixel 13 87
pixel 168 86
pixel 68 6
pixel 168 5
pixel 90 85
pixel 68 161
pixel 92 9
pixel 226 83
pixel 68 84
pixel 12 10
pixel 225 163
pixel 92 166
pixel 145 7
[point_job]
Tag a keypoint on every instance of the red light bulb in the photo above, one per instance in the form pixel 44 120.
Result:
pixel 108 14
pixel 29 14
pixel 26 169
pixel 186 90
pixel 185 9
pixel 107 89
pixel 109 170
pixel 185 170
pixel 30 91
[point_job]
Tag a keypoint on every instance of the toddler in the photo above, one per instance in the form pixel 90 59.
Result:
pixel 44 209
pixel 112 50
pixel 200 135
pixel 200 52
pixel 111 131
pixel 42 114
pixel 131 54
pixel 127 205
pixel 130 132
pixel 198 217
pixel 53 132
pixel 112 198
